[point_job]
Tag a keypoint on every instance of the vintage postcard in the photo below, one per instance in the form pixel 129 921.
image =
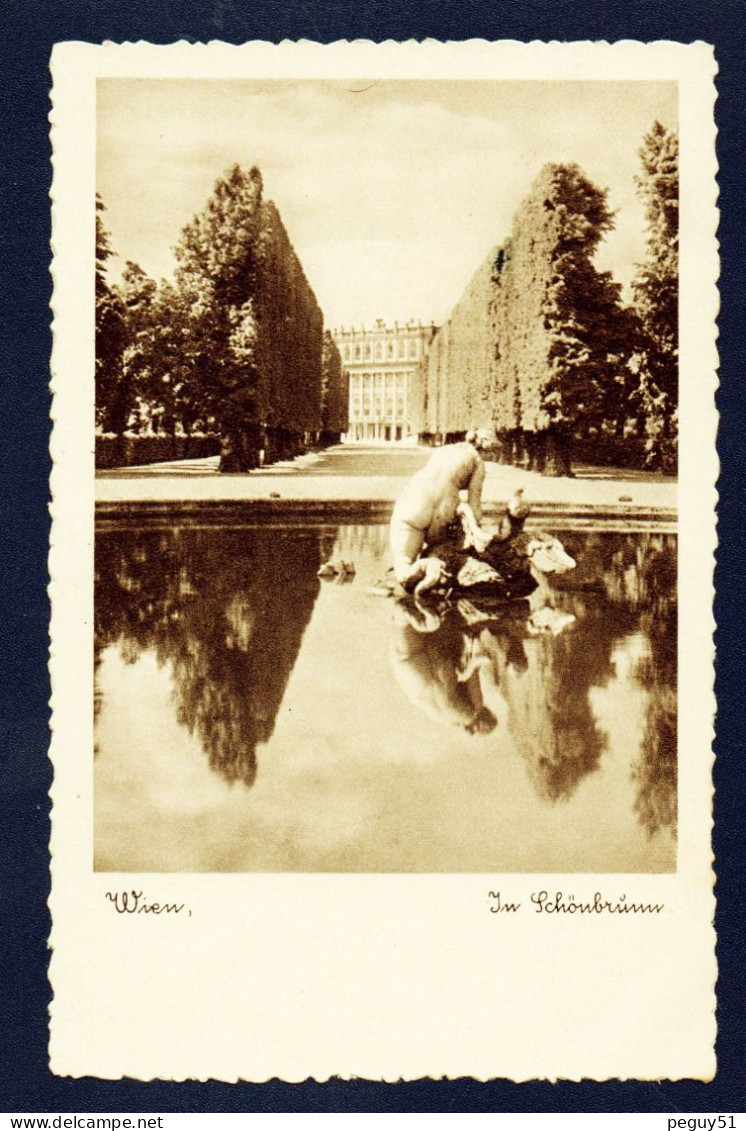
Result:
pixel 381 564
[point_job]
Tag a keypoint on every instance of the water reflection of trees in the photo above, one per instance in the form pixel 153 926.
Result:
pixel 638 573
pixel 436 661
pixel 656 768
pixel 548 696
pixel 624 585
pixel 227 610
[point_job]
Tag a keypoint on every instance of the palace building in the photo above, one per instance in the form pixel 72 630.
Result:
pixel 383 364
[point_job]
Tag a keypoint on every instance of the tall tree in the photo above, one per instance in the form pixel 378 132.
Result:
pixel 136 293
pixel 254 326
pixel 557 319
pixel 656 294
pixel 217 275
pixel 162 354
pixel 112 409
pixel 457 376
pixel 334 391
pixel 290 336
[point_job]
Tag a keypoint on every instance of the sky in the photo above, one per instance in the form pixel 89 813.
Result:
pixel 392 192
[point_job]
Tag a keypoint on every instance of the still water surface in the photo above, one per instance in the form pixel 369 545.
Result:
pixel 250 717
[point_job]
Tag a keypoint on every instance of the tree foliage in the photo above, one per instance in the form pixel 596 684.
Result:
pixel 557 316
pixel 456 379
pixel 334 390
pixel 143 366
pixel 541 340
pixel 216 279
pixel 160 359
pixel 233 344
pixel 656 294
pixel 290 332
pixel 254 328
pixel 111 404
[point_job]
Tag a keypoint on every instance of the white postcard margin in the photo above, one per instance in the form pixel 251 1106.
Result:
pixel 383 977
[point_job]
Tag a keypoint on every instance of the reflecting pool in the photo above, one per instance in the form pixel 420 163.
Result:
pixel 251 717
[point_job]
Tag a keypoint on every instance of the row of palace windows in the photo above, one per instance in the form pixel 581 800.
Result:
pixel 376 407
pixel 378 381
pixel 380 396
pixel 381 350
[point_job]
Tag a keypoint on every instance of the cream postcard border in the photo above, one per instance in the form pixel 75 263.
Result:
pixel 375 976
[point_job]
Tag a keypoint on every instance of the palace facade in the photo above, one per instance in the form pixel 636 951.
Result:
pixel 383 365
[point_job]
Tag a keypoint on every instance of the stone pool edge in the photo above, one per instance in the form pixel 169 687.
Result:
pixel 297 511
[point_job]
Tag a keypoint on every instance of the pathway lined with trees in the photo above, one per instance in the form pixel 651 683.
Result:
pixel 232 356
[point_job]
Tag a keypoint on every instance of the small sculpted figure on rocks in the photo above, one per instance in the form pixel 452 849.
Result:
pixel 437 539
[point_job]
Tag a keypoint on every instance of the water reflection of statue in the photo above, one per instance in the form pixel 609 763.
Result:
pixel 457 661
pixel 436 662
pixel 227 609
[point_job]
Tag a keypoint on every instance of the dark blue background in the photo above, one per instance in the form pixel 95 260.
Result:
pixel 30 29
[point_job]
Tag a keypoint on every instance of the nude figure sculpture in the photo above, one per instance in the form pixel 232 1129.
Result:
pixel 429 504
pixel 448 486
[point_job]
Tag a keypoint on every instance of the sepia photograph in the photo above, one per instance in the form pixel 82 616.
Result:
pixel 386 386
pixel 383 526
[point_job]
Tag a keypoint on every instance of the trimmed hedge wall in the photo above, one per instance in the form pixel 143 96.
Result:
pixel 608 451
pixel 133 451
